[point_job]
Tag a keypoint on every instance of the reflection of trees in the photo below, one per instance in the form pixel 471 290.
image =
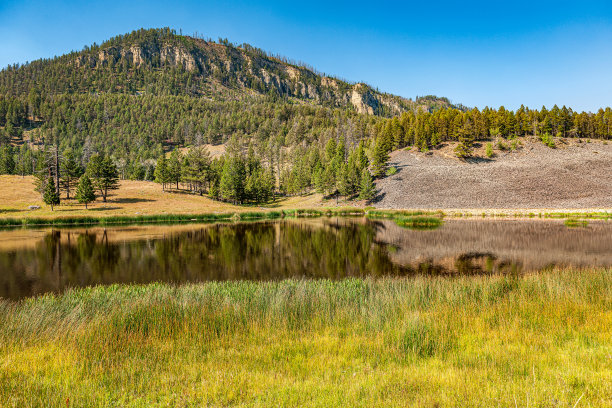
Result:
pixel 255 251
pixel 476 263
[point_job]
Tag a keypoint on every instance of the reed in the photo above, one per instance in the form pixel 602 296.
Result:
pixel 530 340
pixel 403 213
pixel 421 223
pixel 574 223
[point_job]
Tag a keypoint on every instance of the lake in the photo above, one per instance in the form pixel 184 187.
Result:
pixel 38 261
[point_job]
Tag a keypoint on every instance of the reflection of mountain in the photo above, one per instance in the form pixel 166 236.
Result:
pixel 302 248
pixel 504 245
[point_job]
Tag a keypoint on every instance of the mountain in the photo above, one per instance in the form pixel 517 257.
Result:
pixel 161 62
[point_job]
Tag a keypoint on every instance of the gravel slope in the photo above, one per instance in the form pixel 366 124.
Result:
pixel 574 175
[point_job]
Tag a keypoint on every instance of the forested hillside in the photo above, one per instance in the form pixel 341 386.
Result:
pixel 159 62
pixel 138 97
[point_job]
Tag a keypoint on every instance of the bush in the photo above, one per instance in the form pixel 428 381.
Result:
pixel 489 151
pixel 548 140
pixel 391 171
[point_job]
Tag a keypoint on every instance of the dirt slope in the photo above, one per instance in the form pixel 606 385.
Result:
pixel 574 175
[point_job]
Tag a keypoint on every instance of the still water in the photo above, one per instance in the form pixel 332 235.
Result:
pixel 34 262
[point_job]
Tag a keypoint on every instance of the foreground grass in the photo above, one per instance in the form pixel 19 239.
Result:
pixel 540 340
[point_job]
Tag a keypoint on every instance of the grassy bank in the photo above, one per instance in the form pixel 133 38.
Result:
pixel 12 222
pixel 538 340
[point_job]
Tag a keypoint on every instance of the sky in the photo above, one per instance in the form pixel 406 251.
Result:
pixel 475 53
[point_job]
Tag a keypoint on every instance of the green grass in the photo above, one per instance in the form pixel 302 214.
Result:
pixel 176 218
pixel 403 213
pixel 391 171
pixel 573 223
pixel 541 340
pixel 420 223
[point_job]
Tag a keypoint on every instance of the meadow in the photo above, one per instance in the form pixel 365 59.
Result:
pixel 141 199
pixel 540 339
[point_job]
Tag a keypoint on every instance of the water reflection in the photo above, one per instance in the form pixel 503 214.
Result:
pixel 322 248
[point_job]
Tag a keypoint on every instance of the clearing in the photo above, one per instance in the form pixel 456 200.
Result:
pixel 575 175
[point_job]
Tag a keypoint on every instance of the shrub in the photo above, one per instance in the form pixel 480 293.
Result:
pixel 548 140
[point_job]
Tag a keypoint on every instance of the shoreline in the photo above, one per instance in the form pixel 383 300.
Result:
pixel 60 220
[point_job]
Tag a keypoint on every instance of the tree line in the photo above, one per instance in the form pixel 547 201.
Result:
pixel 240 176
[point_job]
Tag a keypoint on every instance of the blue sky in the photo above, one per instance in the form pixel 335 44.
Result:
pixel 476 53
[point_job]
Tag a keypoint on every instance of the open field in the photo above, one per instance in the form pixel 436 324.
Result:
pixel 142 198
pixel 572 176
pixel 536 340
pixel 132 198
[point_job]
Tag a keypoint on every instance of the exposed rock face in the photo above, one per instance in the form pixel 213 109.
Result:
pixel 178 56
pixel 329 82
pixel 363 100
pixel 219 66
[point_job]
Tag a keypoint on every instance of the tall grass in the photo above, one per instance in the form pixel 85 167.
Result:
pixel 574 223
pixel 403 213
pixel 177 218
pixel 421 223
pixel 536 340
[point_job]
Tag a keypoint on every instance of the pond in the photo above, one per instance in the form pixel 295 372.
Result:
pixel 37 261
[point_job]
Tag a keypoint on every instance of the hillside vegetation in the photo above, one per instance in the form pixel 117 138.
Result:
pixel 292 131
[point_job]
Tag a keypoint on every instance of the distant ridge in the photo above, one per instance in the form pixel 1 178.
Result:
pixel 162 62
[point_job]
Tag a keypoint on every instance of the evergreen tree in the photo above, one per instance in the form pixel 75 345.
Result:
pixel 175 167
pixel 162 172
pixel 103 173
pixel 231 187
pixel 71 171
pixel 367 188
pixel 85 193
pixel 380 159
pixel 50 195
pixel 466 142
pixel 345 186
pixel 7 162
pixel 197 169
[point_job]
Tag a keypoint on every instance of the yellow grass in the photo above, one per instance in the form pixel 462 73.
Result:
pixel 132 198
pixel 147 198
pixel 538 340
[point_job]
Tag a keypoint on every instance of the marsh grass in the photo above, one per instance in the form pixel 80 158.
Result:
pixel 574 223
pixel 532 340
pixel 177 218
pixel 403 213
pixel 418 223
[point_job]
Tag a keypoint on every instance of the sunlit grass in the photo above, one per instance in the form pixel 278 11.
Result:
pixel 419 223
pixel 537 340
pixel 574 223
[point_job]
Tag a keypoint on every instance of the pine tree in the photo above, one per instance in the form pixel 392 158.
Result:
pixel 7 162
pixel 380 158
pixel 85 193
pixel 104 175
pixel 71 171
pixel 344 186
pixel 175 167
pixel 162 173
pixel 466 143
pixel 367 189
pixel 50 195
pixel 232 181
